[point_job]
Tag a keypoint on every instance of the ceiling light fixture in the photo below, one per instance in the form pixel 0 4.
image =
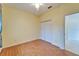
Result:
pixel 37 5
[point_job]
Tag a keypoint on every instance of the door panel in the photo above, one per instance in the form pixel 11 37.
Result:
pixel 46 31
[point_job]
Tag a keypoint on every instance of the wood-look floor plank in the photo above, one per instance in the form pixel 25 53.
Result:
pixel 35 48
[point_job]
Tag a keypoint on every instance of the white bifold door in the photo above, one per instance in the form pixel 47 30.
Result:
pixel 46 31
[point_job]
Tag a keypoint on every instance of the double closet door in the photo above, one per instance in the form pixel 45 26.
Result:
pixel 46 31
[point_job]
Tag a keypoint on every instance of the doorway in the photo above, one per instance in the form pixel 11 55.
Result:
pixel 72 33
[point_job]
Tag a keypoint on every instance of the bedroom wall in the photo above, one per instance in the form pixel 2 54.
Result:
pixel 18 26
pixel 0 30
pixel 0 26
pixel 57 15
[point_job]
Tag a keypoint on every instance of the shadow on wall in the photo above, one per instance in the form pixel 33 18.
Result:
pixel 0 31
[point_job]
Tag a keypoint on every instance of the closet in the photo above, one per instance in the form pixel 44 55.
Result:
pixel 46 31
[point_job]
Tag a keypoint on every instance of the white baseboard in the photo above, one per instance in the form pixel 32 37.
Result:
pixel 59 46
pixel 62 48
pixel 17 43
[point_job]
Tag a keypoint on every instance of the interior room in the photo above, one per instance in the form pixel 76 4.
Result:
pixel 39 29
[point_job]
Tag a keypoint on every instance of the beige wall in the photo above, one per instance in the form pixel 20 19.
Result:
pixel 18 26
pixel 57 15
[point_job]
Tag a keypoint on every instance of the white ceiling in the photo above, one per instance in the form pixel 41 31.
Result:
pixel 31 8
